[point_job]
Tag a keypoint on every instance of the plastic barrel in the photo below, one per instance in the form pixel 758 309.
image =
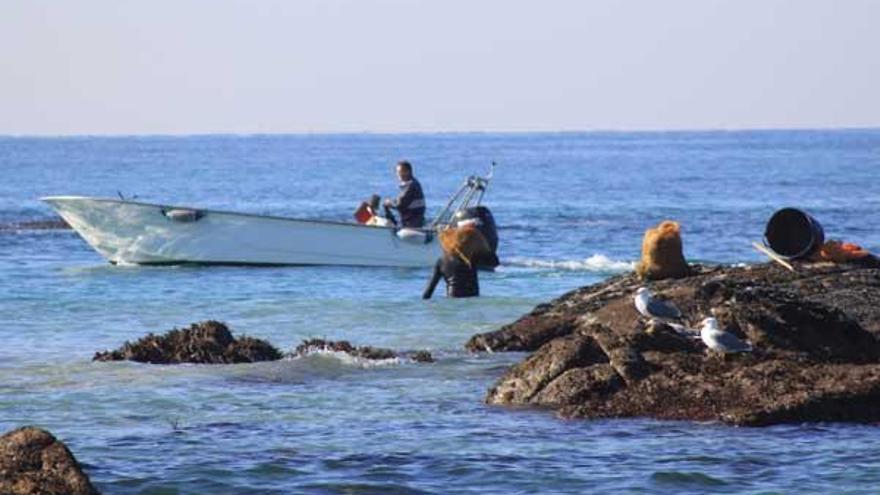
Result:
pixel 793 233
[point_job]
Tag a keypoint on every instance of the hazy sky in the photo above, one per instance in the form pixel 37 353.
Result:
pixel 199 66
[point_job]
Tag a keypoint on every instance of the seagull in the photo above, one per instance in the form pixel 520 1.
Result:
pixel 654 308
pixel 721 341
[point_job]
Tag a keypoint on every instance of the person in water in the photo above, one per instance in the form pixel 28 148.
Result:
pixel 463 249
pixel 410 203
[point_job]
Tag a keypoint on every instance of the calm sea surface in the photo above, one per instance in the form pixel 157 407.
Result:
pixel 571 208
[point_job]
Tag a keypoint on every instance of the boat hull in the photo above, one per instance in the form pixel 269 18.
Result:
pixel 130 232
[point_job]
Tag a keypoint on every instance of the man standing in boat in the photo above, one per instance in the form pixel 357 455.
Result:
pixel 410 203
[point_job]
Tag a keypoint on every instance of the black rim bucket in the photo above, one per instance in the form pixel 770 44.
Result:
pixel 793 234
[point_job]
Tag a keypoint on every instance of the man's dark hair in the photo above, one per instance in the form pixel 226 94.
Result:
pixel 405 165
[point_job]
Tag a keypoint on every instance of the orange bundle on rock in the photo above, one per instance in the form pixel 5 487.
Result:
pixel 662 255
pixel 840 252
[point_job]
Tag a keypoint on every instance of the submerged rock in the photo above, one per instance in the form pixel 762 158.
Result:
pixel 208 342
pixel 33 462
pixel 421 357
pixel 815 334
pixel 365 352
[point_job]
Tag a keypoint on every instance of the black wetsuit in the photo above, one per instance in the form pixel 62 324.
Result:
pixel 461 278
pixel 411 204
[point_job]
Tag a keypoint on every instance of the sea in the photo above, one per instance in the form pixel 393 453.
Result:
pixel 571 210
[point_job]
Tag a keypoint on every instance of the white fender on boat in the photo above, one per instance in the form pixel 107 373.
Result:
pixel 182 215
pixel 412 236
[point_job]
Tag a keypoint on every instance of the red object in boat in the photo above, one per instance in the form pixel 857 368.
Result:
pixel 363 213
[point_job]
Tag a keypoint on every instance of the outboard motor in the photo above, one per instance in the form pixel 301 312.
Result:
pixel 482 219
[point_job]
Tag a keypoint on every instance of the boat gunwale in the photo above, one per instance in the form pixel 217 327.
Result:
pixel 50 199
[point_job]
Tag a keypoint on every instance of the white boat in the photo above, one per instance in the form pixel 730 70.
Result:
pixel 133 232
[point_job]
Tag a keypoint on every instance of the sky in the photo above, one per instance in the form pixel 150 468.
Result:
pixel 261 66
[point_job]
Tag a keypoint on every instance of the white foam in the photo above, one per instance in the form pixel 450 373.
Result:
pixel 347 359
pixel 595 263
pixel 124 264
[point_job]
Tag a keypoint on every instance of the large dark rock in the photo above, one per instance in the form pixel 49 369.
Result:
pixel 33 462
pixel 208 342
pixel 815 332
pixel 365 352
pixel 554 319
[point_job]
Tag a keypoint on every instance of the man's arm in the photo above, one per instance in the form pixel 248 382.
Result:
pixel 435 278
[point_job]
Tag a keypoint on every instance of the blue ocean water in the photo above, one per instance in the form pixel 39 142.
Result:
pixel 571 208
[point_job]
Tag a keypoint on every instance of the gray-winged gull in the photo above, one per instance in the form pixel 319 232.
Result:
pixel 721 341
pixel 654 308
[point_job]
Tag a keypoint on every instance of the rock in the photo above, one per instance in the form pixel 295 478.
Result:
pixel 365 352
pixel 526 334
pixel 34 462
pixel 208 342
pixel 320 345
pixel 558 318
pixel 422 357
pixel 577 385
pixel 525 380
pixel 815 333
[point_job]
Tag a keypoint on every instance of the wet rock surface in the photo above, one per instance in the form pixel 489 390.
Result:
pixel 815 334
pixel 207 342
pixel 32 462
pixel 365 352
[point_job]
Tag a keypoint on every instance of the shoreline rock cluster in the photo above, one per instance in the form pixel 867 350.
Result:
pixel 211 342
pixel 815 333
pixel 33 462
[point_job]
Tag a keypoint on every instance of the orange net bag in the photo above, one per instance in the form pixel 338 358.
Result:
pixel 662 255
pixel 840 252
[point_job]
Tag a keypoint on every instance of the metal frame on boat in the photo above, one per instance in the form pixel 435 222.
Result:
pixel 134 232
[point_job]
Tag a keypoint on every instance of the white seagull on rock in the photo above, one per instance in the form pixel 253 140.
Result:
pixel 717 339
pixel 654 308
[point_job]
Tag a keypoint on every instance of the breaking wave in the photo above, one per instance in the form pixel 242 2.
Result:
pixel 595 263
pixel 323 357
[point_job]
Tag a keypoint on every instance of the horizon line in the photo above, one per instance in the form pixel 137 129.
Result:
pixel 682 130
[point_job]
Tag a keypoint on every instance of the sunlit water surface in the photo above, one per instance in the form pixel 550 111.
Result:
pixel 571 210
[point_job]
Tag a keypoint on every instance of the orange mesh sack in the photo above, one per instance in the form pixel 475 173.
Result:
pixel 465 242
pixel 840 252
pixel 662 255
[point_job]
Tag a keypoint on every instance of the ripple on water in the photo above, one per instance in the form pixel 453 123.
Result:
pixel 571 209
pixel 686 479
